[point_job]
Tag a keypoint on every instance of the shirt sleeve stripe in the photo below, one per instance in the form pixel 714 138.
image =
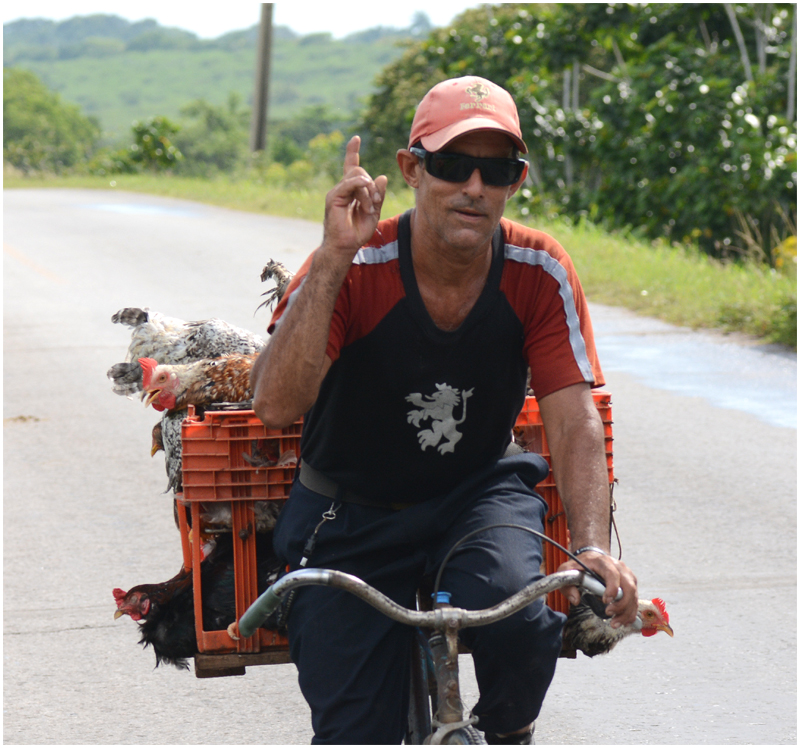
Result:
pixel 364 256
pixel 377 255
pixel 551 266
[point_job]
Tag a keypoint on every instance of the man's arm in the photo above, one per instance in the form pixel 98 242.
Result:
pixel 288 374
pixel 577 447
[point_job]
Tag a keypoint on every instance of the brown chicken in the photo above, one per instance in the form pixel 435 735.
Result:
pixel 219 380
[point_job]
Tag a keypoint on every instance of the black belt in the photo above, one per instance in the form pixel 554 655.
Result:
pixel 320 483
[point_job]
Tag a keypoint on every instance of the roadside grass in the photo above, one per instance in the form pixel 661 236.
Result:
pixel 681 286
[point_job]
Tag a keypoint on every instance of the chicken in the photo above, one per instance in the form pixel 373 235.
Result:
pixel 168 340
pixel 587 628
pixel 174 387
pixel 167 437
pixel 266 453
pixel 275 271
pixel 217 515
pixel 172 341
pixel 165 611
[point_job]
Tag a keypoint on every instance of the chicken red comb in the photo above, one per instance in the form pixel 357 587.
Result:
pixel 119 595
pixel 659 603
pixel 148 366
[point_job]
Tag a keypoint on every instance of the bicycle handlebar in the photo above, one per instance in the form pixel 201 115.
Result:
pixel 440 618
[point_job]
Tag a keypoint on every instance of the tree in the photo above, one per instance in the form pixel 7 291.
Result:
pixel 289 138
pixel 213 138
pixel 40 131
pixel 152 148
pixel 636 115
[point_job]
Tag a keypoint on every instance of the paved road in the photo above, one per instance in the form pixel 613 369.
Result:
pixel 707 502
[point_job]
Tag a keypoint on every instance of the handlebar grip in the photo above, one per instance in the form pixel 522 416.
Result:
pixel 596 587
pixel 258 612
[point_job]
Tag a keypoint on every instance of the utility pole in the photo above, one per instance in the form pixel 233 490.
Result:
pixel 790 113
pixel 258 126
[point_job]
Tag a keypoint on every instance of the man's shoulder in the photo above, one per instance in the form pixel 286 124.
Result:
pixel 526 238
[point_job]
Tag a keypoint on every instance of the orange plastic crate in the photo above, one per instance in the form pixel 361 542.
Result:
pixel 218 455
pixel 530 433
pixel 225 456
pixel 246 592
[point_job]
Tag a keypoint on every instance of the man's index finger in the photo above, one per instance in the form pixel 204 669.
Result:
pixel 351 160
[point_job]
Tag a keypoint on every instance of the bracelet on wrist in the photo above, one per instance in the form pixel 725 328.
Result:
pixel 593 548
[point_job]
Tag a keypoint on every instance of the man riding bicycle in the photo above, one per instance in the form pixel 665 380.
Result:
pixel 406 343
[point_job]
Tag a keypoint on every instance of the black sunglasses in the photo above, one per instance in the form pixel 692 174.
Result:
pixel 457 167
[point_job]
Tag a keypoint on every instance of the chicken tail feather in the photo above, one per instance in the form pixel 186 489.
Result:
pixel 130 316
pixel 126 378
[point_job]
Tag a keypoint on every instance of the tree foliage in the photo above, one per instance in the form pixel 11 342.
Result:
pixel 40 131
pixel 147 68
pixel 213 138
pixel 676 119
pixel 152 147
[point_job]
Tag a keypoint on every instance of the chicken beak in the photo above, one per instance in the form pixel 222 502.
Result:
pixel 153 450
pixel 666 628
pixel 118 614
pixel 152 397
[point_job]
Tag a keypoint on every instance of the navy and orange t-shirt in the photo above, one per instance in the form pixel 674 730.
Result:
pixel 407 410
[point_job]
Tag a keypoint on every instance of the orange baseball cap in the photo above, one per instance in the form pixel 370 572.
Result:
pixel 461 105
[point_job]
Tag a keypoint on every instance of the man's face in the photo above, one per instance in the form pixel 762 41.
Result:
pixel 464 215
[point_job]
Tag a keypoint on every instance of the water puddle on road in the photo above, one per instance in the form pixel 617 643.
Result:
pixel 760 380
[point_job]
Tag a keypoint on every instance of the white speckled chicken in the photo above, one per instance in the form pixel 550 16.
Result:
pixel 168 340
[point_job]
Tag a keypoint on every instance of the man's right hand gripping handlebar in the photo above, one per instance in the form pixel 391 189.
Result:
pixel 352 209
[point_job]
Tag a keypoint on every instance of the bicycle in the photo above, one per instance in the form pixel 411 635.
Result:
pixel 446 723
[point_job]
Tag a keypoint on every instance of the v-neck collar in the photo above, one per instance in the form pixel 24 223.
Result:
pixel 417 305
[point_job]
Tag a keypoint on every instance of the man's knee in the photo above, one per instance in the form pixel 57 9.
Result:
pixel 532 635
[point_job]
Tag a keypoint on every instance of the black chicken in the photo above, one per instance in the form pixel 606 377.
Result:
pixel 165 611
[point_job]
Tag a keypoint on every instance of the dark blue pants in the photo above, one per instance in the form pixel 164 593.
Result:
pixel 354 662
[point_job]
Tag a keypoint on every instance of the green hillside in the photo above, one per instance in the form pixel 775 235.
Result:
pixel 117 71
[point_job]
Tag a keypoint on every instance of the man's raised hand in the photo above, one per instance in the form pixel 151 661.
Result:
pixel 353 206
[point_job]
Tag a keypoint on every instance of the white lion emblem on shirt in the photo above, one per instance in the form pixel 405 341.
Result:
pixel 439 408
